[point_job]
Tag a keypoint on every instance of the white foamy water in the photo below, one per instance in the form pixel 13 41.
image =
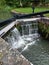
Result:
pixel 30 40
pixel 27 45
pixel 18 44
pixel 15 40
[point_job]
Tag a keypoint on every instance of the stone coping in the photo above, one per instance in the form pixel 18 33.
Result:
pixel 11 57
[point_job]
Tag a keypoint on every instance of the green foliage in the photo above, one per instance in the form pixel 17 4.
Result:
pixel 36 2
pixel 5 12
pixel 11 2
pixel 2 2
pixel 44 30
pixel 21 3
pixel 29 9
pixel 18 26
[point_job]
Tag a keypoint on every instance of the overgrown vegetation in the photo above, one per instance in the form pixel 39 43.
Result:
pixel 18 26
pixel 44 29
pixel 22 3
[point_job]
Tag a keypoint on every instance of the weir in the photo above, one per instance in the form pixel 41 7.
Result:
pixel 28 38
pixel 8 27
pixel 11 57
pixel 15 41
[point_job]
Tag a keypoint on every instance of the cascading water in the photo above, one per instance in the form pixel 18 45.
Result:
pixel 29 34
pixel 27 29
pixel 36 49
pixel 30 40
pixel 14 39
pixel 32 47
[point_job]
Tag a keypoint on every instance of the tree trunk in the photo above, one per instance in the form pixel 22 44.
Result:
pixel 20 3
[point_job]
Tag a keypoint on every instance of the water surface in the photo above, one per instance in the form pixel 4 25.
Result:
pixel 38 53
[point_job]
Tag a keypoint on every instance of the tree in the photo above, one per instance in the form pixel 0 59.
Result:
pixel 2 2
pixel 36 2
pixel 43 2
pixel 11 2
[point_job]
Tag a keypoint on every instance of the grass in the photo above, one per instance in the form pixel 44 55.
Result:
pixel 5 13
pixel 29 10
pixel 23 10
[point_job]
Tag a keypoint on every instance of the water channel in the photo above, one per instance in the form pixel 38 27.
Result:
pixel 30 44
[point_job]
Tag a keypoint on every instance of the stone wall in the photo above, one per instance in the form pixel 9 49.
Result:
pixel 11 56
pixel 43 28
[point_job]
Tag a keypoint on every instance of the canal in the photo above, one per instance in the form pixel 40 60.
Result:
pixel 32 46
pixel 38 53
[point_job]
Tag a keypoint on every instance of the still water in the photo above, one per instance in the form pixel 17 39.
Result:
pixel 38 53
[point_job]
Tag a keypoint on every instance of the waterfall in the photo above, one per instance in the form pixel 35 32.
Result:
pixel 30 34
pixel 27 28
pixel 14 39
pixel 29 37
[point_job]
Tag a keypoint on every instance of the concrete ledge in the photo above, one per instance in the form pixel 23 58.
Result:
pixel 7 28
pixel 11 57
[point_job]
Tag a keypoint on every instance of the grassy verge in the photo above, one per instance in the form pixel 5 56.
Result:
pixel 29 10
pixel 5 12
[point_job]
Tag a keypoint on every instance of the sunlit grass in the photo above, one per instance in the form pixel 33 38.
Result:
pixel 23 10
pixel 5 11
pixel 29 10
